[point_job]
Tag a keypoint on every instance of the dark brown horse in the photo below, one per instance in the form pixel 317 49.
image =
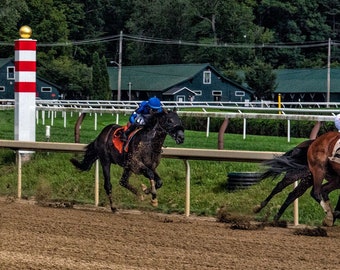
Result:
pixel 293 166
pixel 142 155
pixel 323 165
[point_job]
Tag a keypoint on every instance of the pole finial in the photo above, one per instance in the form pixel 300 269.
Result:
pixel 25 31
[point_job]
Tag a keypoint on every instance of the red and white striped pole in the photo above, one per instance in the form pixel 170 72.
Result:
pixel 25 86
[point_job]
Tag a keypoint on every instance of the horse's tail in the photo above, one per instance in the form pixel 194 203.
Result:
pixel 91 155
pixel 293 160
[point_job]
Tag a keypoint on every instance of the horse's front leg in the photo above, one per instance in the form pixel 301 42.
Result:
pixel 155 183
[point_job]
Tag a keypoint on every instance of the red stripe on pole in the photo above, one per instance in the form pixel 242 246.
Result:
pixel 25 87
pixel 25 66
pixel 25 45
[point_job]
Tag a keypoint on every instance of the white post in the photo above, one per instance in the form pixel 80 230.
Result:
pixel 96 184
pixel 208 127
pixel 65 119
pixel 25 86
pixel 19 173
pixel 296 208
pixel 187 188
pixel 244 128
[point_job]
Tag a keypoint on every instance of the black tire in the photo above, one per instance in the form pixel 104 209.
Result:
pixel 242 180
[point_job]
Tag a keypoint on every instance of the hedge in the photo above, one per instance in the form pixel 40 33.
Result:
pixel 266 127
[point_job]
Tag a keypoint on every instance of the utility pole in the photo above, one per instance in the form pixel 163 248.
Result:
pixel 129 90
pixel 119 88
pixel 329 73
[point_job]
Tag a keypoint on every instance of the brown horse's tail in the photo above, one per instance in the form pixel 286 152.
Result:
pixel 91 155
pixel 293 161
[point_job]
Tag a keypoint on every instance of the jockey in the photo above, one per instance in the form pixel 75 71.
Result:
pixel 141 114
pixel 337 122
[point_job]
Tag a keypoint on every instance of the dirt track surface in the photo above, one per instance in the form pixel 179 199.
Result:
pixel 36 237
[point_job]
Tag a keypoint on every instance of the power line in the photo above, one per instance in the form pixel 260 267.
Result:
pixel 152 40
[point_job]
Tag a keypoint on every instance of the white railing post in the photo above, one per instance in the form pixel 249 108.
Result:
pixel 187 188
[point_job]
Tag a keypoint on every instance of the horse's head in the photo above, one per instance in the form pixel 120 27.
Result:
pixel 172 124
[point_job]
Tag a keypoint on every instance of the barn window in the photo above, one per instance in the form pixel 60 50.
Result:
pixel 10 73
pixel 2 88
pixel 240 93
pixel 207 77
pixel 217 93
pixel 198 92
pixel 46 89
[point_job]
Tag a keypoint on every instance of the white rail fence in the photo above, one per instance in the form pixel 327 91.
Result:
pixel 289 111
pixel 184 154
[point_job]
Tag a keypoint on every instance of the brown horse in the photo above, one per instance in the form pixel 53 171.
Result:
pixel 142 156
pixel 323 165
pixel 293 166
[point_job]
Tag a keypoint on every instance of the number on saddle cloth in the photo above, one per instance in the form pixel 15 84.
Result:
pixel 336 153
pixel 140 120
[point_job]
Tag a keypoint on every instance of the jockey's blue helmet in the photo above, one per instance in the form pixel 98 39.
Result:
pixel 154 103
pixel 337 122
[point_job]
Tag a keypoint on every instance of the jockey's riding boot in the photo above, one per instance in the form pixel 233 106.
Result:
pixel 125 135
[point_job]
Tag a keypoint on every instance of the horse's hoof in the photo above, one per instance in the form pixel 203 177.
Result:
pixel 154 202
pixel 328 221
pixel 145 189
pixel 114 209
pixel 257 208
pixel 141 197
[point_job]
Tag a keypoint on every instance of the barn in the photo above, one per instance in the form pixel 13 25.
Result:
pixel 182 82
pixel 45 89
pixel 308 85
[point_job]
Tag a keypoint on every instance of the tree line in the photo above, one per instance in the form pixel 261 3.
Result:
pixel 74 52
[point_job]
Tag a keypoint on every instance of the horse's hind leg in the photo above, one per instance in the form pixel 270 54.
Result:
pixel 277 189
pixel 124 181
pixel 337 210
pixel 107 184
pixel 319 173
pixel 297 192
pixel 332 184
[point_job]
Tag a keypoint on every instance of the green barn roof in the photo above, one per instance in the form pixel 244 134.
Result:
pixel 307 80
pixel 153 77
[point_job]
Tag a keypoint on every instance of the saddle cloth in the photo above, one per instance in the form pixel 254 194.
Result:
pixel 336 153
pixel 118 143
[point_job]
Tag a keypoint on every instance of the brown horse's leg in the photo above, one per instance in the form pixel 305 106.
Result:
pixel 318 175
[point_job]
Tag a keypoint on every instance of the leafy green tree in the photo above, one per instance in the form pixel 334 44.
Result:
pixel 261 79
pixel 10 15
pixel 293 21
pixel 74 78
pixel 100 79
pixel 164 19
pixel 107 94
